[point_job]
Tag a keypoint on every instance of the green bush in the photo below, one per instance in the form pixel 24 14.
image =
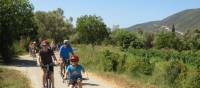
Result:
pixel 126 39
pixel 193 79
pixel 175 73
pixel 110 61
pixel 166 68
pixel 137 66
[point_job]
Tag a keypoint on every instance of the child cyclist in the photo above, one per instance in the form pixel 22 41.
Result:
pixel 74 72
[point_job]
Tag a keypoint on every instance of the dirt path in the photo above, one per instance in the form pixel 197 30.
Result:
pixel 26 65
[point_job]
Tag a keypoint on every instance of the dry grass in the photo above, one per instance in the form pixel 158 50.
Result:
pixel 120 81
pixel 13 79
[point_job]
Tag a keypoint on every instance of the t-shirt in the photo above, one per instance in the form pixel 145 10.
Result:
pixel 46 57
pixel 64 52
pixel 74 72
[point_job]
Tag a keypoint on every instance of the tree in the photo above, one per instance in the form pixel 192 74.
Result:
pixel 91 29
pixel 192 39
pixel 126 39
pixel 168 40
pixel 16 20
pixel 53 25
pixel 173 28
pixel 148 40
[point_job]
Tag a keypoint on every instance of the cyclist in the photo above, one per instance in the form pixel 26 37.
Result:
pixel 29 47
pixel 33 49
pixel 45 57
pixel 64 53
pixel 74 71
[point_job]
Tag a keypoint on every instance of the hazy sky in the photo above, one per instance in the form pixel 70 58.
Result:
pixel 123 12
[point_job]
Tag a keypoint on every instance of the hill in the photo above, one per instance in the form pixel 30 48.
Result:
pixel 183 21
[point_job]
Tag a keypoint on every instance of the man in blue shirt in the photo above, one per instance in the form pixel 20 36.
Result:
pixel 64 52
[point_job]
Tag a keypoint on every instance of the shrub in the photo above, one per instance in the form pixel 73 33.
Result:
pixel 194 79
pixel 110 61
pixel 175 72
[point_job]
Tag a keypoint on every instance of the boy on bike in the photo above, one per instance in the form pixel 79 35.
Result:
pixel 64 53
pixel 45 57
pixel 74 71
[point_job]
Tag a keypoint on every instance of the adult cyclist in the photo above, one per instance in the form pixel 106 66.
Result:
pixel 45 57
pixel 64 53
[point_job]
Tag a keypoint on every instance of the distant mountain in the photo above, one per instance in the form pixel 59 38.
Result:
pixel 183 21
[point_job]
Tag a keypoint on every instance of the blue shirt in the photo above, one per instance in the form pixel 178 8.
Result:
pixel 64 52
pixel 74 72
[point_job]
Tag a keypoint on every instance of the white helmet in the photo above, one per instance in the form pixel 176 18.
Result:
pixel 66 41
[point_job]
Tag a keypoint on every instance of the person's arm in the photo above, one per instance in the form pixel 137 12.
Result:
pixel 66 73
pixel 53 56
pixel 60 55
pixel 71 50
pixel 83 69
pixel 60 52
pixel 84 72
pixel 39 61
pixel 55 59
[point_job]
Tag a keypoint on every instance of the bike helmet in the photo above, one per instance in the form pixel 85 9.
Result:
pixel 74 58
pixel 66 41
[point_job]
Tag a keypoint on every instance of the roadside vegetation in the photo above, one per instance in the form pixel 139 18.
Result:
pixel 10 78
pixel 160 68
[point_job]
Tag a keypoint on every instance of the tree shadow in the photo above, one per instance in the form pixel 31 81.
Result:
pixel 90 84
pixel 23 63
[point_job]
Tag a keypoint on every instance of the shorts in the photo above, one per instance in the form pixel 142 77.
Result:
pixel 76 77
pixel 50 68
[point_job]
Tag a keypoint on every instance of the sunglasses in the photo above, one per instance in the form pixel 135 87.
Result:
pixel 74 61
pixel 66 43
pixel 44 45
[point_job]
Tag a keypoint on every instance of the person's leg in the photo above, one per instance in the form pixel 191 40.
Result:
pixel 43 77
pixel 70 86
pixel 61 66
pixel 29 51
pixel 79 81
pixel 51 68
pixel 52 80
pixel 71 83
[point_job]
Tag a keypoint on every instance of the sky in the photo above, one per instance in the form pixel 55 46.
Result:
pixel 118 12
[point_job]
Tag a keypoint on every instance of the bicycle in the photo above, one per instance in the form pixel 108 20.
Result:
pixel 33 53
pixel 63 69
pixel 74 83
pixel 48 74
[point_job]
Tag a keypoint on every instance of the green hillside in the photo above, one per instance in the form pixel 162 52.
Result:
pixel 184 20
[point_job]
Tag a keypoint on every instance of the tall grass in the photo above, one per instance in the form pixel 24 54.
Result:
pixel 13 79
pixel 163 68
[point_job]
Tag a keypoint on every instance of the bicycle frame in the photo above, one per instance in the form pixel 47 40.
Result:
pixel 74 83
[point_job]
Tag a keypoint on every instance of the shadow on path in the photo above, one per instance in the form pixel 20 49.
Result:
pixel 23 62
pixel 90 84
